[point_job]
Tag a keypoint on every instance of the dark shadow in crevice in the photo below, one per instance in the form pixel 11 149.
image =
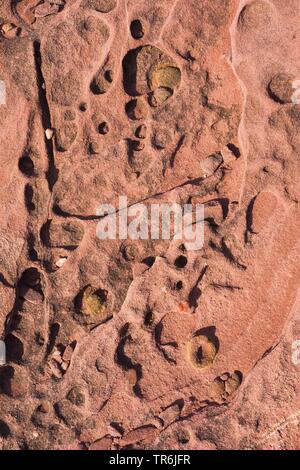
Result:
pixel 54 330
pixel 4 430
pixel 14 349
pixel 130 72
pixel 234 150
pixel 127 364
pixel 52 172
pixel 28 195
pixel 26 166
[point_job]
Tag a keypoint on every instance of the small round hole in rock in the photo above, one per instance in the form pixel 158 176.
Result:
pixel 32 254
pixel 103 128
pixel 26 166
pixel 149 318
pixel 136 29
pixel 83 107
pixel 31 277
pixel 137 145
pixel 108 75
pixel 94 147
pixel 149 261
pixel 141 132
pixel 136 109
pixel 181 262
pixel 179 285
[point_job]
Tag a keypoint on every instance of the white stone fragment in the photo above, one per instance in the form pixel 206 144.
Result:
pixel 49 133
pixel 2 92
pixel 2 353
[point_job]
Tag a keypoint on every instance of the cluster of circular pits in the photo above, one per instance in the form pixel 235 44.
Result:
pixel 164 77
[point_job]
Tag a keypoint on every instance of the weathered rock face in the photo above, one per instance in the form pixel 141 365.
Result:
pixel 124 343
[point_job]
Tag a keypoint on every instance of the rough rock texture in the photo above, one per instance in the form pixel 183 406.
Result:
pixel 142 344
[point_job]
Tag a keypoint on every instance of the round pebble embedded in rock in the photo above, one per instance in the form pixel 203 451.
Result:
pixel 104 6
pixel 281 88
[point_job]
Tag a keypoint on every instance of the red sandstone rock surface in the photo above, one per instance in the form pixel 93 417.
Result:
pixel 143 344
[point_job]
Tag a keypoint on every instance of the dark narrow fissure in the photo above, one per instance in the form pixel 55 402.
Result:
pixel 52 172
pixel 178 147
